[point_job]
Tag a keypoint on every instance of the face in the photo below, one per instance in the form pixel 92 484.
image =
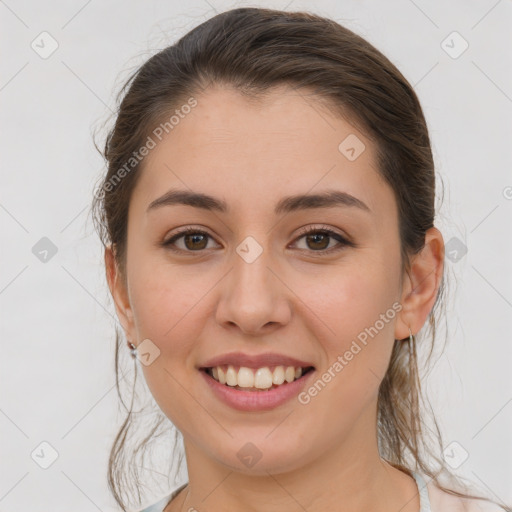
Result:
pixel 249 280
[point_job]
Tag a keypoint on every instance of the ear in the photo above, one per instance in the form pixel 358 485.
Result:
pixel 120 295
pixel 421 284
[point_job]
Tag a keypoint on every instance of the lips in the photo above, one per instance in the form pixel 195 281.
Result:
pixel 257 400
pixel 254 361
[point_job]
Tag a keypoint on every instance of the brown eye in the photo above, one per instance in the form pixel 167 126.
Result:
pixel 193 240
pixel 319 240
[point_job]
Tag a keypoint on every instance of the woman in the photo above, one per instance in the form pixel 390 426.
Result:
pixel 268 221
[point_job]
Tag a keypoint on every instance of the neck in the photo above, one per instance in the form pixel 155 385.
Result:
pixel 348 477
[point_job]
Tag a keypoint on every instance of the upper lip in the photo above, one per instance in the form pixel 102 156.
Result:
pixel 254 361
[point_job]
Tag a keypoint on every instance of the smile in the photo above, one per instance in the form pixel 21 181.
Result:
pixel 251 398
pixel 249 379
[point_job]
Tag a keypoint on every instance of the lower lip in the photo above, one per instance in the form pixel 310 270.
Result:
pixel 257 400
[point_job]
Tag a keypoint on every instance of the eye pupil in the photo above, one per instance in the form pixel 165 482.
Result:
pixel 194 238
pixel 323 238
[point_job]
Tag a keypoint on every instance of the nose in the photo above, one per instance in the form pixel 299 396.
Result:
pixel 253 297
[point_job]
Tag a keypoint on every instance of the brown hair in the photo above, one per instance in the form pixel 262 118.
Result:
pixel 253 50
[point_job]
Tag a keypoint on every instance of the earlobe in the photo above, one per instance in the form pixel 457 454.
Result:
pixel 421 285
pixel 119 293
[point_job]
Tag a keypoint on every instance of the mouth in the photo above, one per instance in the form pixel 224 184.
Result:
pixel 263 379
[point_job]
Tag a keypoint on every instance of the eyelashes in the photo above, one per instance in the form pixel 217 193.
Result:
pixel 187 232
pixel 326 233
pixel 312 235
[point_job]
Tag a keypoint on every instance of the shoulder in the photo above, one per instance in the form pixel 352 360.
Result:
pixel 163 502
pixel 441 501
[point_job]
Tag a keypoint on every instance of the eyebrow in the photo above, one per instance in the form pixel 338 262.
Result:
pixel 327 199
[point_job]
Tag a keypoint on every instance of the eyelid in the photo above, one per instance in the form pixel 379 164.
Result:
pixel 168 242
pixel 342 239
pixel 320 227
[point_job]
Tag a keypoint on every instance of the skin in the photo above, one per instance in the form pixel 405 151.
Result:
pixel 292 300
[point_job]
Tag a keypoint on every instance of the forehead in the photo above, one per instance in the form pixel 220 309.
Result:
pixel 253 152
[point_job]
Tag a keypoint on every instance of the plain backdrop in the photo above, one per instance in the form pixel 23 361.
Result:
pixel 57 396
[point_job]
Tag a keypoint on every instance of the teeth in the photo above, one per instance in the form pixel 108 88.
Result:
pixel 278 375
pixel 245 378
pixel 231 376
pixel 262 378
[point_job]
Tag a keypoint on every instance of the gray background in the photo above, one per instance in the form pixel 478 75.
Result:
pixel 57 320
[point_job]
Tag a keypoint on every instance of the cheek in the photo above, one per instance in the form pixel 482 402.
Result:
pixel 164 298
pixel 351 301
pixel 165 304
pixel 357 308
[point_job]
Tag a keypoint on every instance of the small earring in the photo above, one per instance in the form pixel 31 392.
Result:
pixel 411 336
pixel 133 349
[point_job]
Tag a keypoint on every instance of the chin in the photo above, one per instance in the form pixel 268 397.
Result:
pixel 260 457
